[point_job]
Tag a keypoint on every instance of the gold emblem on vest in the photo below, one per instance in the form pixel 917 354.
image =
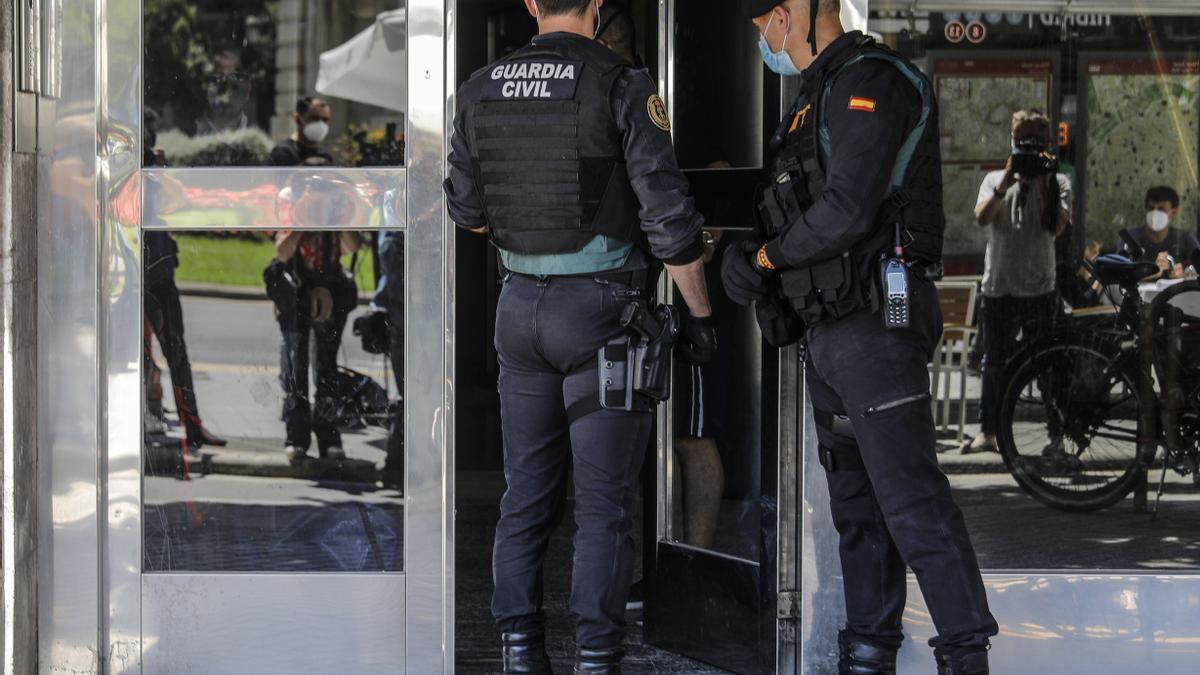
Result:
pixel 658 112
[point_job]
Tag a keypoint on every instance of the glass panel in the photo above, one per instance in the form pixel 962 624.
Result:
pixel 275 82
pixel 238 199
pixel 273 438
pixel 712 43
pixel 716 492
pixel 1052 412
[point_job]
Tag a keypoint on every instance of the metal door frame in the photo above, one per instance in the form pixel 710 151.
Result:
pixel 91 529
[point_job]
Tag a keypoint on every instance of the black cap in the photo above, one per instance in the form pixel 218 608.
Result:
pixel 756 8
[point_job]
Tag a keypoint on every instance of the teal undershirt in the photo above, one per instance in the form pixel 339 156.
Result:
pixel 601 254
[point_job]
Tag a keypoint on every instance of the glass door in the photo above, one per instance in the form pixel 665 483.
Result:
pixel 712 583
pixel 275 343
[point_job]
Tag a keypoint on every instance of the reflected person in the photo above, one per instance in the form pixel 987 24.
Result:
pixel 1024 207
pixel 1161 243
pixel 162 309
pixel 324 298
pixel 227 89
pixel 389 295
pixel 583 197
pixel 852 205
pixel 311 117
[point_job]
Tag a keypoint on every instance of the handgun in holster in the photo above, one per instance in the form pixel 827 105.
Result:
pixel 635 368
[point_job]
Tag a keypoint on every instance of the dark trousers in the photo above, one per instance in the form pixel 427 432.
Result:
pixel 298 416
pixel 165 316
pixel 1005 317
pixel 544 331
pixel 394 464
pixel 894 508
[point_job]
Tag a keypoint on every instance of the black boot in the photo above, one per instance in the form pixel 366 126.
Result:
pixel 525 653
pixel 599 661
pixel 863 658
pixel 967 662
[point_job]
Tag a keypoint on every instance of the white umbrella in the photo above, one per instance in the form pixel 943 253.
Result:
pixel 369 67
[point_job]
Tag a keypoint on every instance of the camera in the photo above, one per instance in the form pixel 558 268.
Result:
pixel 1030 158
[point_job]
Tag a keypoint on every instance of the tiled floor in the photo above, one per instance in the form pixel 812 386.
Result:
pixel 477 648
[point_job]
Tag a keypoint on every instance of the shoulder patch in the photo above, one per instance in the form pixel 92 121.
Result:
pixel 658 112
pixel 861 103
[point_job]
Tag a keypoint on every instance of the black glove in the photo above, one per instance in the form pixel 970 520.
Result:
pixel 744 282
pixel 698 341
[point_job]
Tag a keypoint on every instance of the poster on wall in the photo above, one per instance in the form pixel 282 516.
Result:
pixel 976 100
pixel 1143 130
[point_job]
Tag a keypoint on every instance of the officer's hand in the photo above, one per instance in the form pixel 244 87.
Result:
pixel 698 342
pixel 744 283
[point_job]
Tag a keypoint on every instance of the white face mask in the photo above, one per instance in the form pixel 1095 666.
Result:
pixel 1157 220
pixel 316 131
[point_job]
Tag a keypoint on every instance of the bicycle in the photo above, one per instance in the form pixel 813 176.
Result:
pixel 1085 410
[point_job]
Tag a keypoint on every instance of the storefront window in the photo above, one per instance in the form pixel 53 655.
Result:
pixel 292 82
pixel 1065 388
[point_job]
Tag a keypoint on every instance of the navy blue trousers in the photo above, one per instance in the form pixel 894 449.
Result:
pixel 896 509
pixel 545 329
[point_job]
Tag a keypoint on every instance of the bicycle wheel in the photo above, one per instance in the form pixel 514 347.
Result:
pixel 1069 425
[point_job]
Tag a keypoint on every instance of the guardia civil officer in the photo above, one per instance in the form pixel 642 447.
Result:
pixel 562 155
pixel 851 230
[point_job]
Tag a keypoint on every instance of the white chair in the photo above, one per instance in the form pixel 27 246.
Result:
pixel 957 296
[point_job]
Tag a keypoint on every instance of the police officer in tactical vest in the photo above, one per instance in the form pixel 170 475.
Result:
pixel 562 154
pixel 850 233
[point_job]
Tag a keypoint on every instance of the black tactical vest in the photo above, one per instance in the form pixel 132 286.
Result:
pixel 837 287
pixel 546 150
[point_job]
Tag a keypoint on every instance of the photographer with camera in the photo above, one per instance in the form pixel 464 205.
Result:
pixel 1025 208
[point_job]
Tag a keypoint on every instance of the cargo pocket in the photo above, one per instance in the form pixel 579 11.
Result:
pixel 797 286
pixel 836 282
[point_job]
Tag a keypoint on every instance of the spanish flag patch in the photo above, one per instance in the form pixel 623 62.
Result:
pixel 863 104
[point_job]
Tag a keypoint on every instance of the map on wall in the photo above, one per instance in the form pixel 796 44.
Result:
pixel 1143 130
pixel 976 100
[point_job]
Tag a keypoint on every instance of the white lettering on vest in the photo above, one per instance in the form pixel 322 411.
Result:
pixel 507 89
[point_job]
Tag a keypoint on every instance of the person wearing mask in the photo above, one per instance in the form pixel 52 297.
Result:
pixel 303 147
pixel 561 153
pixel 1161 243
pixel 1024 207
pixel 850 234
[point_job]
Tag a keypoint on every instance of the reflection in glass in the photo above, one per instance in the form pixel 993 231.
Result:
pixel 234 84
pixel 716 491
pixel 1071 341
pixel 309 474
pixel 236 199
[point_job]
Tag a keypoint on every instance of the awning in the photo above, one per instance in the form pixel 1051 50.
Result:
pixel 369 67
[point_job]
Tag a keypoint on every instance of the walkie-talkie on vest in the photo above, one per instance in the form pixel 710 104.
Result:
pixel 894 282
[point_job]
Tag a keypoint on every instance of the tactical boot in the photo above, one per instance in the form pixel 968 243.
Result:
pixel 973 662
pixel 525 653
pixel 863 658
pixel 599 661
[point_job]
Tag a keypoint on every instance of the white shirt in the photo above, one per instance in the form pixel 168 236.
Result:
pixel 1020 253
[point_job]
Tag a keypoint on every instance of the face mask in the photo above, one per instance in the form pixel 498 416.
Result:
pixel 316 131
pixel 1157 220
pixel 779 62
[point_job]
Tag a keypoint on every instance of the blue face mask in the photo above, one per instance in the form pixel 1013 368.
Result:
pixel 779 62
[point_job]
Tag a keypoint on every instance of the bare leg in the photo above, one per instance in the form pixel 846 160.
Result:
pixel 678 533
pixel 703 485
